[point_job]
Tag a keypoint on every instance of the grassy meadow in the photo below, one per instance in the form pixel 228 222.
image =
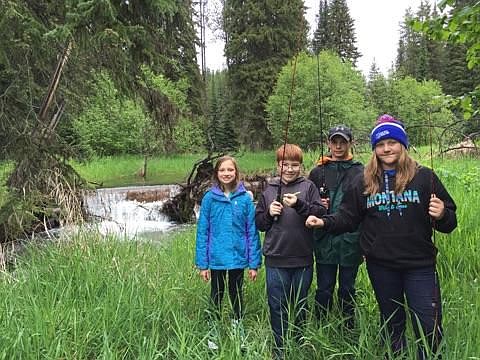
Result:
pixel 92 297
pixel 123 170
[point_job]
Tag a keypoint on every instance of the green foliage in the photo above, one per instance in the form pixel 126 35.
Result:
pixel 175 91
pixel 462 26
pixel 341 99
pixel 467 179
pixel 336 31
pixel 188 136
pixel 97 297
pixel 110 124
pixel 169 102
pixel 460 29
pixel 221 133
pixel 419 56
pixel 420 105
pixel 260 38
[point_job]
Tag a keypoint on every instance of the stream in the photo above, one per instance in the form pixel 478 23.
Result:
pixel 117 211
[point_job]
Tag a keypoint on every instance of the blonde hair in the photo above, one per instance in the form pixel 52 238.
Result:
pixel 406 169
pixel 219 162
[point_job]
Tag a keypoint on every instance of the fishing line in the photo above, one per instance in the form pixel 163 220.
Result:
pixel 436 290
pixel 323 188
pixel 285 139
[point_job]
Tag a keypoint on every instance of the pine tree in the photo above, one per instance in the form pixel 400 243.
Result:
pixel 321 39
pixel 261 36
pixel 341 27
pixel 411 56
pixel 377 89
pixel 221 133
pixel 437 56
pixel 459 79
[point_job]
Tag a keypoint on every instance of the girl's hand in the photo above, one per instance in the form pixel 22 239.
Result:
pixel 436 208
pixel 205 275
pixel 275 209
pixel 252 274
pixel 314 222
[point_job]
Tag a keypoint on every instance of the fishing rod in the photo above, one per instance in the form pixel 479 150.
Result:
pixel 285 138
pixel 323 188
pixel 436 290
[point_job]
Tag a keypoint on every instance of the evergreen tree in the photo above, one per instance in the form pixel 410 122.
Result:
pixel 260 38
pixel 321 40
pixel 459 79
pixel 342 31
pixel 437 56
pixel 377 89
pixel 411 56
pixel 221 133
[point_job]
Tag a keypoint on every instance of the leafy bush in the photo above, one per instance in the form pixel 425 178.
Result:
pixel 110 124
pixel 342 99
pixel 188 136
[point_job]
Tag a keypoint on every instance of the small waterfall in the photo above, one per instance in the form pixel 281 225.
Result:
pixel 113 213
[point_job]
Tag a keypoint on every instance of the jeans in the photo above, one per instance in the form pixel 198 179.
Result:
pixel 326 280
pixel 235 283
pixel 421 290
pixel 287 290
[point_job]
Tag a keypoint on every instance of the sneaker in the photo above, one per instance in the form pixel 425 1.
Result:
pixel 212 340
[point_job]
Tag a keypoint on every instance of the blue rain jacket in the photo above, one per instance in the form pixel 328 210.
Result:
pixel 227 237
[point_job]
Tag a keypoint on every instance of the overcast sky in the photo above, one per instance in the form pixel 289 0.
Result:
pixel 377 27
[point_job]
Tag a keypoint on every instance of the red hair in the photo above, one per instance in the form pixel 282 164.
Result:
pixel 290 152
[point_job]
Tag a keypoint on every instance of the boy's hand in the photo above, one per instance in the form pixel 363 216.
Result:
pixel 325 202
pixel 275 209
pixel 205 275
pixel 314 222
pixel 290 199
pixel 252 274
pixel 436 208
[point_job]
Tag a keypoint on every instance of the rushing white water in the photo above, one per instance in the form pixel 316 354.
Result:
pixel 112 213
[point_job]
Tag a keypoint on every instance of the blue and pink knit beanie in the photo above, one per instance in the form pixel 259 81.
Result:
pixel 387 127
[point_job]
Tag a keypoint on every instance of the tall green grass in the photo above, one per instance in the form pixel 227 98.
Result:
pixel 94 297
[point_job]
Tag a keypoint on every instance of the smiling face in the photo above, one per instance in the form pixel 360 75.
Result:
pixel 291 170
pixel 388 151
pixel 227 174
pixel 339 148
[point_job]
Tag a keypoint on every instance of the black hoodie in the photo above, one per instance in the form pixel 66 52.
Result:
pixel 396 229
pixel 288 243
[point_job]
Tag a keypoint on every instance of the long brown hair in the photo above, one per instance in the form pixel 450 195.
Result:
pixel 406 169
pixel 219 162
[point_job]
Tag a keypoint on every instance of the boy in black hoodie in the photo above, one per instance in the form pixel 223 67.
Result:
pixel 281 212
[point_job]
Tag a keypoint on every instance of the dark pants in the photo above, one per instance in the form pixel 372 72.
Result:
pixel 421 290
pixel 287 289
pixel 235 282
pixel 326 280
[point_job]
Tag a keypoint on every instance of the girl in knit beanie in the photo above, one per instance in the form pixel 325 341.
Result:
pixel 398 202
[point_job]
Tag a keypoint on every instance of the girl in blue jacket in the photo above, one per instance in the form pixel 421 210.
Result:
pixel 227 239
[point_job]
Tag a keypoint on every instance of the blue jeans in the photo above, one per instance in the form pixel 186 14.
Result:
pixel 421 290
pixel 287 288
pixel 326 280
